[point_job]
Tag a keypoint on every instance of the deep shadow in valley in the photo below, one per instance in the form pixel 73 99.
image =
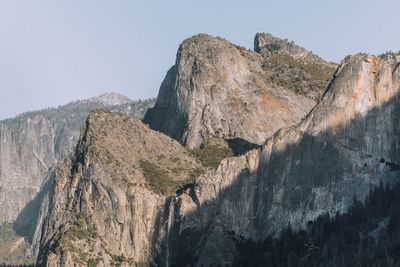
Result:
pixel 247 204
pixel 27 220
pixel 368 234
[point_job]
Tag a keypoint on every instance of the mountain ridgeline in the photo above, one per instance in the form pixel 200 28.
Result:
pixel 265 140
pixel 247 158
pixel 30 146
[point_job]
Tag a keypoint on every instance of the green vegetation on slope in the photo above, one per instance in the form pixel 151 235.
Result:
pixel 159 180
pixel 301 77
pixel 210 155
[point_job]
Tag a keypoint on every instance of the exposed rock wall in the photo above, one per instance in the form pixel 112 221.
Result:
pixel 348 144
pixel 219 89
pixel 30 146
pixel 312 160
pixel 104 208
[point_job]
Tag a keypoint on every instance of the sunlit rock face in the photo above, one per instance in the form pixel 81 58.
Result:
pixel 345 146
pixel 219 89
pixel 306 160
pixel 105 208
pixel 30 146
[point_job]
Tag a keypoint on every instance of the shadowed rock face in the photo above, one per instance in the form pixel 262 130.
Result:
pixel 105 206
pixel 30 146
pixel 219 89
pixel 344 146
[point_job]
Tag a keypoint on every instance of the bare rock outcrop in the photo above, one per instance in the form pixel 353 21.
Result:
pixel 116 198
pixel 347 145
pixel 219 89
pixel 108 198
pixel 30 146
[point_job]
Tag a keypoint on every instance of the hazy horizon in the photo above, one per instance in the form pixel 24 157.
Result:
pixel 55 53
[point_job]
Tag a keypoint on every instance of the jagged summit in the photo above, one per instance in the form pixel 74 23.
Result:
pixel 114 187
pixel 111 99
pixel 217 88
pixel 310 154
pixel 269 46
pixel 391 57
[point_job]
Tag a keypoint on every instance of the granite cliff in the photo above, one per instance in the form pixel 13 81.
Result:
pixel 109 195
pixel 345 146
pixel 219 89
pixel 30 146
pixel 132 196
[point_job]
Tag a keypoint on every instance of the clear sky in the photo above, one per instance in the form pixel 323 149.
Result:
pixel 54 52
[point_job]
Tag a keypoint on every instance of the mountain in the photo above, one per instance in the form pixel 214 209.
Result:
pixel 240 146
pixel 116 183
pixel 345 146
pixel 30 146
pixel 219 89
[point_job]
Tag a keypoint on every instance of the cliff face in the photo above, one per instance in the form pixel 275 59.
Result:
pixel 115 201
pixel 30 146
pixel 346 145
pixel 108 197
pixel 214 82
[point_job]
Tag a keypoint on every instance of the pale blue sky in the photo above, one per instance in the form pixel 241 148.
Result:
pixel 53 52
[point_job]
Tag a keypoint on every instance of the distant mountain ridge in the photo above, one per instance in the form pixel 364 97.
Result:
pixel 241 148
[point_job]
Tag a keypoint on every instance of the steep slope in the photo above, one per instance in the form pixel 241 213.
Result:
pixel 109 196
pixel 293 67
pixel 219 89
pixel 31 144
pixel 348 144
pixel 342 147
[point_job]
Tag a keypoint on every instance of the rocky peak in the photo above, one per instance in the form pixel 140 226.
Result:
pixel 347 144
pixel 30 146
pixel 269 46
pixel 113 187
pixel 304 159
pixel 111 99
pixel 391 57
pixel 219 89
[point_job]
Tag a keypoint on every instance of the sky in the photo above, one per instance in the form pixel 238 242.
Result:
pixel 54 52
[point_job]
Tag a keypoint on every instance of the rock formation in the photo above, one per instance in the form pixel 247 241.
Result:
pixel 218 89
pixel 345 146
pixel 30 146
pixel 132 196
pixel 109 195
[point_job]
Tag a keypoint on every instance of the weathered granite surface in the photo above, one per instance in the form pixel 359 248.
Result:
pixel 345 146
pixel 30 146
pixel 310 164
pixel 105 209
pixel 219 89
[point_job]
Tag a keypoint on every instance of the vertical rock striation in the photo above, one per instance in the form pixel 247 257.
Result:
pixel 307 159
pixel 108 198
pixel 218 89
pixel 30 146
pixel 345 146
